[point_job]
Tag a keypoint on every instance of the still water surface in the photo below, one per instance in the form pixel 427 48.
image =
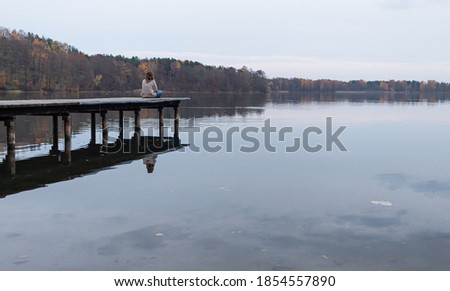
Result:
pixel 382 205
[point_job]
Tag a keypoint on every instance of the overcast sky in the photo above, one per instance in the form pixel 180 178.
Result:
pixel 335 39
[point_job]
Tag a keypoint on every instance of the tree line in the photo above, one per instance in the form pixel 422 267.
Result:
pixel 302 85
pixel 32 63
pixel 29 62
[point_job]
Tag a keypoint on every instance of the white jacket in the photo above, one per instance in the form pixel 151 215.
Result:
pixel 149 88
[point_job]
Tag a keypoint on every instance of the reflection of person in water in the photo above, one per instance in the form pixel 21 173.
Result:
pixel 150 162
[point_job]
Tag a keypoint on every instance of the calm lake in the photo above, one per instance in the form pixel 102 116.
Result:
pixel 244 202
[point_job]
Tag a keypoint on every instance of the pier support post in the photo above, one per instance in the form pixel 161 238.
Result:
pixel 121 125
pixel 104 131
pixel 67 137
pixel 11 145
pixel 161 124
pixel 55 139
pixel 93 129
pixel 137 129
pixel 137 122
pixel 176 126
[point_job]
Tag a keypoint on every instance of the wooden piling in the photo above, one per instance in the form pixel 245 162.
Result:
pixel 121 124
pixel 137 129
pixel 11 145
pixel 104 129
pixel 55 134
pixel 10 134
pixel 137 122
pixel 93 129
pixel 176 123
pixel 161 123
pixel 67 137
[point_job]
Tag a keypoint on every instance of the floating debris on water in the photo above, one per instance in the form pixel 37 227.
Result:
pixel 382 202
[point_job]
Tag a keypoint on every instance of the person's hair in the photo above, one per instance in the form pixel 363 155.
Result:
pixel 150 76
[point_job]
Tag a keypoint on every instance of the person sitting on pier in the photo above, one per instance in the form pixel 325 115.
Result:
pixel 149 87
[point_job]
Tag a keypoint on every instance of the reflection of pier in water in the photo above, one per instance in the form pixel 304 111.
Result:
pixel 17 176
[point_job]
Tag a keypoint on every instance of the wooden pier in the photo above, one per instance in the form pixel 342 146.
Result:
pixel 9 109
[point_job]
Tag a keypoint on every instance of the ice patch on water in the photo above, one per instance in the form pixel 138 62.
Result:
pixel 382 202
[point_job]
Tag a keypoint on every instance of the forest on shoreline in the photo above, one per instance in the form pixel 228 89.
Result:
pixel 29 62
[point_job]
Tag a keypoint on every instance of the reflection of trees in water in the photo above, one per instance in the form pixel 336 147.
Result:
pixel 225 104
pixel 358 97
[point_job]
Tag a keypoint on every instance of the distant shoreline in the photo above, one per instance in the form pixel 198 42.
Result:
pixel 137 92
